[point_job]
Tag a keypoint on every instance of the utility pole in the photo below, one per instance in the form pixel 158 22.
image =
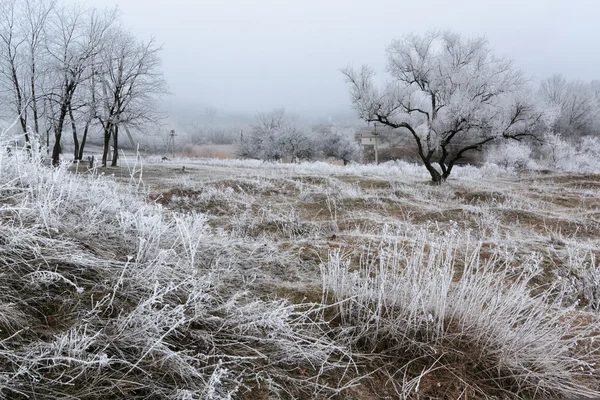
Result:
pixel 376 148
pixel 171 143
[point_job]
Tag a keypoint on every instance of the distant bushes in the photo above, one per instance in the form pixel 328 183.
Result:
pixel 214 136
pixel 275 137
pixel 512 154
pixel 208 151
pixel 552 152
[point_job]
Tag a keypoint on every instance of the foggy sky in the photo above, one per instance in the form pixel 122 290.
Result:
pixel 246 56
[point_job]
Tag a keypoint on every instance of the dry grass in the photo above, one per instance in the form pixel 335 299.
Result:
pixel 542 226
pixel 230 279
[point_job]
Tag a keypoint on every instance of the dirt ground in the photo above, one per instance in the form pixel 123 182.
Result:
pixel 310 213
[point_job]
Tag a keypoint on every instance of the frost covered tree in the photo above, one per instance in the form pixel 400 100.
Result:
pixel 576 104
pixel 275 136
pixel 260 142
pixel 22 56
pixel 450 93
pixel 79 36
pixel 65 65
pixel 340 143
pixel 130 82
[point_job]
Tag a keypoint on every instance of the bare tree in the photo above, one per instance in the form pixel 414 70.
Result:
pixel 554 89
pixel 451 94
pixel 23 26
pixel 79 37
pixel 13 40
pixel 84 109
pixel 36 16
pixel 131 81
pixel 70 65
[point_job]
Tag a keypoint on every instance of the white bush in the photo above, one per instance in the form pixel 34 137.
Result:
pixel 553 152
pixel 509 154
pixel 276 136
pixel 340 143
pixel 434 310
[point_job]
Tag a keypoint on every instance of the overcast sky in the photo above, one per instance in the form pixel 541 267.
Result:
pixel 255 55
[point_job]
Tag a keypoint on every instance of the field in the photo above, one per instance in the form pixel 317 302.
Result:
pixel 240 279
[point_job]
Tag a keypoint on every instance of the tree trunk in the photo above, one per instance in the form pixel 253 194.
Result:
pixel 56 150
pixel 83 140
pixel 446 173
pixel 24 127
pixel 57 136
pixel 20 107
pixel 436 177
pixel 107 135
pixel 75 138
pixel 34 107
pixel 116 146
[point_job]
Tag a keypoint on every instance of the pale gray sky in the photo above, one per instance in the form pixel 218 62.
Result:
pixel 255 55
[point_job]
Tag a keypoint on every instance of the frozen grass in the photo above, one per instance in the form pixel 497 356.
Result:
pixel 104 295
pixel 450 325
pixel 487 287
pixel 250 280
pixel 394 168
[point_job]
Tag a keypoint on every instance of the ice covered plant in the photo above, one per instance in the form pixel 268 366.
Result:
pixel 448 324
pixel 104 294
pixel 510 155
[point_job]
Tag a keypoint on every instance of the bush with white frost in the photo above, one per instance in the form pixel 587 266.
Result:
pixel 557 153
pixel 552 152
pixel 447 324
pixel 340 143
pixel 274 137
pixel 514 155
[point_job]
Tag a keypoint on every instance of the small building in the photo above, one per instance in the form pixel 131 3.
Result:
pixel 367 135
pixel 369 140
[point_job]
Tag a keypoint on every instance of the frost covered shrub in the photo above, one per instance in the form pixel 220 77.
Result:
pixel 340 143
pixel 509 155
pixel 553 152
pixel 556 151
pixel 451 326
pixel 574 155
pixel 275 136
